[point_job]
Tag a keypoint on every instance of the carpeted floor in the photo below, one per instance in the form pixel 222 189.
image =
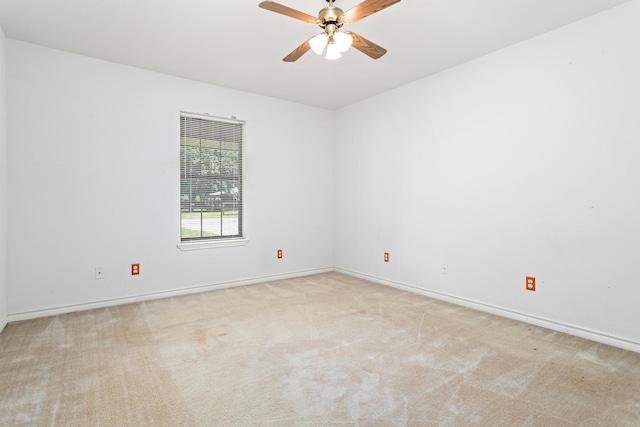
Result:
pixel 322 350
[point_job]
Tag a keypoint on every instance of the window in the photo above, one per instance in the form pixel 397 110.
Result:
pixel 210 178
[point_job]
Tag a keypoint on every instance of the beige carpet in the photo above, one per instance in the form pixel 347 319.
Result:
pixel 323 350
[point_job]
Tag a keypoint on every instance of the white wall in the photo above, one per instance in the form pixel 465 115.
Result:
pixel 3 184
pixel 523 162
pixel 94 181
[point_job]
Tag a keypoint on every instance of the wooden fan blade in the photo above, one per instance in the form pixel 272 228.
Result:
pixel 298 52
pixel 286 10
pixel 366 8
pixel 367 47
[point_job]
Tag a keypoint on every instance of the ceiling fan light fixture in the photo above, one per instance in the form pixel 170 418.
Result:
pixel 343 41
pixel 331 19
pixel 333 51
pixel 318 43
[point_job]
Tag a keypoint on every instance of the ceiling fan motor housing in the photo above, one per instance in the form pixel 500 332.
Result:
pixel 330 16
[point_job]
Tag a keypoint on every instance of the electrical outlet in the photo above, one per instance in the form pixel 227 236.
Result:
pixel 445 268
pixel 135 269
pixel 386 257
pixel 99 273
pixel 531 283
pixel 279 254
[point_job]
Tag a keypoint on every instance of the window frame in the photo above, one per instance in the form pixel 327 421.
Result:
pixel 216 241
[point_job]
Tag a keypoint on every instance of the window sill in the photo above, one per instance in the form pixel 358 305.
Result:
pixel 211 244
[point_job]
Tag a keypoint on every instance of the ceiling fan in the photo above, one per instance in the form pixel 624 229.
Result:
pixel 331 19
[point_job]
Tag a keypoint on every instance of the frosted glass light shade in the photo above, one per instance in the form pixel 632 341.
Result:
pixel 333 51
pixel 318 43
pixel 343 40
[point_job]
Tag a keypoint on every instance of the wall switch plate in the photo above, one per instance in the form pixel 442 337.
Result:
pixel 99 273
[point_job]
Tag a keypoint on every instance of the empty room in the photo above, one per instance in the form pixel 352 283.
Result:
pixel 320 213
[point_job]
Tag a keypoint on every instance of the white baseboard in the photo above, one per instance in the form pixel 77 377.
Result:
pixel 15 317
pixel 534 320
pixel 538 321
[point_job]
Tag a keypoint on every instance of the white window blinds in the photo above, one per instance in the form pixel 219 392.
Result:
pixel 210 177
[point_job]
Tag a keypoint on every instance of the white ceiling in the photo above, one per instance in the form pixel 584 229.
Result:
pixel 234 43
